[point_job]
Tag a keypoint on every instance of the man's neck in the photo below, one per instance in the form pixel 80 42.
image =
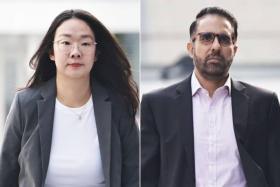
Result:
pixel 73 92
pixel 210 85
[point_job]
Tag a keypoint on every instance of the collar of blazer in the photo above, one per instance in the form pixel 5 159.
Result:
pixel 240 105
pixel 102 111
pixel 183 100
pixel 185 86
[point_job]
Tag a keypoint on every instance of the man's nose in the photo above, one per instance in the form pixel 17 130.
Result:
pixel 216 44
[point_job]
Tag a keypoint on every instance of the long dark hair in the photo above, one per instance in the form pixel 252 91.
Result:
pixel 112 68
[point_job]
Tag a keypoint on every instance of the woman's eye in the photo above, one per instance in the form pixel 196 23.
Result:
pixel 86 44
pixel 65 43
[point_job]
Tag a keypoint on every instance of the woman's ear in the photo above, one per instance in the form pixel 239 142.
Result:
pixel 51 55
pixel 97 53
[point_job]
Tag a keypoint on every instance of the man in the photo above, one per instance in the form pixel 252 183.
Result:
pixel 209 130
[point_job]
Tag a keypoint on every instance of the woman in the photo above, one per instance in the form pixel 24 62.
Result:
pixel 74 123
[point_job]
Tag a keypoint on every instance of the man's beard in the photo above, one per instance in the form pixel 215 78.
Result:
pixel 212 70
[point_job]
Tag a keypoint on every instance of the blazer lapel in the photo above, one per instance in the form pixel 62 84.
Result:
pixel 184 103
pixel 45 121
pixel 240 111
pixel 102 111
pixel 240 104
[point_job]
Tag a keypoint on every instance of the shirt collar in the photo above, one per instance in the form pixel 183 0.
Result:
pixel 197 86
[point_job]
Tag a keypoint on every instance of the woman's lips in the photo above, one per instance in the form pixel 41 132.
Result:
pixel 75 65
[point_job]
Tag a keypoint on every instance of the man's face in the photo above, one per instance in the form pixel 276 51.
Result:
pixel 212 57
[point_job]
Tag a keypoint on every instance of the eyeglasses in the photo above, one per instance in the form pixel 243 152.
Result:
pixel 209 37
pixel 67 46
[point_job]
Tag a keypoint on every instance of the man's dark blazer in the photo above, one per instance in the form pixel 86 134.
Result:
pixel 167 140
pixel 25 153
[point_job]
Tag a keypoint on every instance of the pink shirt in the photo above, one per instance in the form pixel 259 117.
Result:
pixel 217 160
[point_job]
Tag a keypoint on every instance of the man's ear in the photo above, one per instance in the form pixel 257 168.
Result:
pixel 235 47
pixel 190 49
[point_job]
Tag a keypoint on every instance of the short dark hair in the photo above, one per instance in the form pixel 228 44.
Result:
pixel 215 11
pixel 112 68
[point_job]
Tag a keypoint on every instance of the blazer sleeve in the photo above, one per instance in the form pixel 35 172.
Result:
pixel 274 144
pixel 11 145
pixel 130 151
pixel 150 146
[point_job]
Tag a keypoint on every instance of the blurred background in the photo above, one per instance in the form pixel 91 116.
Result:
pixel 24 23
pixel 164 34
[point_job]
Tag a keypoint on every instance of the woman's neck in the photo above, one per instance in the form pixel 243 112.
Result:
pixel 73 92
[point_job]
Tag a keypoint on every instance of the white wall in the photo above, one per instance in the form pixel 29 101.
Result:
pixel 165 26
pixel 33 17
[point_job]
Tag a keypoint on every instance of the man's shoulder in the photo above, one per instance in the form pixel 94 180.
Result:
pixel 254 91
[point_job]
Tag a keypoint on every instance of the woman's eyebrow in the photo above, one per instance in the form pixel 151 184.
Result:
pixel 87 36
pixel 83 36
pixel 65 35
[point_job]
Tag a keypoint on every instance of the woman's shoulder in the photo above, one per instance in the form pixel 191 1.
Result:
pixel 32 94
pixel 120 104
pixel 27 94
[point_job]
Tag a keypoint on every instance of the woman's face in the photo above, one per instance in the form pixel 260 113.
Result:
pixel 74 48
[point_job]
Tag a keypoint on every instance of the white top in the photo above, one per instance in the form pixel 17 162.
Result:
pixel 75 159
pixel 217 160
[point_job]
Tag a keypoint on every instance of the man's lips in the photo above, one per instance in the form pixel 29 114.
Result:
pixel 214 59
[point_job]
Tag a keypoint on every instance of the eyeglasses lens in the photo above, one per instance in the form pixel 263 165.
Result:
pixel 209 37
